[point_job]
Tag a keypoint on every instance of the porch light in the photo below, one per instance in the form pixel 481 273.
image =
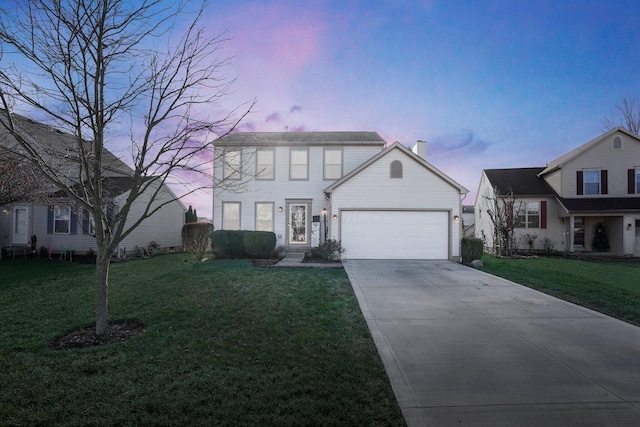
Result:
pixel 324 212
pixel 629 226
pixel 456 218
pixel 280 209
pixel 335 217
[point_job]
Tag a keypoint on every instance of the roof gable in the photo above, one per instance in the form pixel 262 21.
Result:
pixel 519 181
pixel 564 159
pixel 408 153
pixel 301 138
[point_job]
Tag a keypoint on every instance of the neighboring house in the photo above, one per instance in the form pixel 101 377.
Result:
pixel 573 197
pixel 468 221
pixel 59 226
pixel 310 186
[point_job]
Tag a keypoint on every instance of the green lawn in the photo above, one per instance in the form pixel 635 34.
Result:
pixel 608 287
pixel 226 344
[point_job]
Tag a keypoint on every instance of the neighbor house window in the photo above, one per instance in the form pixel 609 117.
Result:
pixel 616 143
pixel 265 164
pixel 231 216
pixel 637 180
pixel 396 169
pixel 232 163
pixel 299 163
pixel 61 220
pixel 529 215
pixel 264 216
pixel 332 163
pixel 592 182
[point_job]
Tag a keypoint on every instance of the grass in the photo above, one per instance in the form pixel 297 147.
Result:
pixel 608 287
pixel 226 344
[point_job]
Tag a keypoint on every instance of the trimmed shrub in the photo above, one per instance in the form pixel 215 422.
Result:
pixel 258 244
pixel 196 238
pixel 331 250
pixel 243 244
pixel 471 248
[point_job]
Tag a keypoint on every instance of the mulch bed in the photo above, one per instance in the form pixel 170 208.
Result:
pixel 87 337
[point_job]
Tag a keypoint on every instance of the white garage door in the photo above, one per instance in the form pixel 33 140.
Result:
pixel 395 234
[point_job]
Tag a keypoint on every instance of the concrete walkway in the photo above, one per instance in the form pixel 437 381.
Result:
pixel 462 347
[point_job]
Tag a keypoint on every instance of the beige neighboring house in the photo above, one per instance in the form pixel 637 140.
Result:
pixel 571 198
pixel 60 227
pixel 310 186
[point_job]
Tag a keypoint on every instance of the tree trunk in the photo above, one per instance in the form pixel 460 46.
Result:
pixel 102 285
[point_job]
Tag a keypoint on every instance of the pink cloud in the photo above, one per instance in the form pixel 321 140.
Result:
pixel 273 117
pixel 295 108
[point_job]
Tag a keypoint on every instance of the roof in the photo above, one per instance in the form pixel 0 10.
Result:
pixel 601 204
pixel 395 146
pixel 519 181
pixel 302 138
pixel 56 142
pixel 564 159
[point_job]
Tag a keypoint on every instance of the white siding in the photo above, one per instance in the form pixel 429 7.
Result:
pixel 484 227
pixel 419 189
pixel 281 189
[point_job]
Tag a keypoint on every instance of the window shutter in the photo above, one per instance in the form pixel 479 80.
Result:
pixel 604 182
pixel 543 214
pixel 74 222
pixel 85 221
pixel 579 183
pixel 50 220
pixel 631 181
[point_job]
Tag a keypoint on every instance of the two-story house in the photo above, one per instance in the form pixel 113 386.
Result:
pixel 577 202
pixel 310 186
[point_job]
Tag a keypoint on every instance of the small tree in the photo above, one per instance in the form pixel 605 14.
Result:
pixel 190 216
pixel 627 115
pixel 196 238
pixel 502 213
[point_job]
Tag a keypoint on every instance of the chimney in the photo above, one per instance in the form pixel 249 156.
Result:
pixel 420 148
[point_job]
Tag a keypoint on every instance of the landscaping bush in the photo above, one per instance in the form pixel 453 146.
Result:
pixel 243 244
pixel 258 244
pixel 331 250
pixel 471 249
pixel 196 238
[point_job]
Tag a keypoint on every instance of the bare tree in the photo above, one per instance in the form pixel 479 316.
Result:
pixel 503 213
pixel 19 182
pixel 108 72
pixel 627 115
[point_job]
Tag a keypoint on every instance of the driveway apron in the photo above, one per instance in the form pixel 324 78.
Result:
pixel 462 347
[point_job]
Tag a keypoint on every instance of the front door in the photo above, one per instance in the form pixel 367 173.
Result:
pixel 20 221
pixel 298 224
pixel 578 232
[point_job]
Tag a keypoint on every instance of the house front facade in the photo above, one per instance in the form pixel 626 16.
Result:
pixel 60 226
pixel 588 200
pixel 307 187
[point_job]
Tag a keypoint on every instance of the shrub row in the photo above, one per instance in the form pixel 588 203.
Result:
pixel 471 248
pixel 243 244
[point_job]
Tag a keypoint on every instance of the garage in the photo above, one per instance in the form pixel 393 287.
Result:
pixel 395 234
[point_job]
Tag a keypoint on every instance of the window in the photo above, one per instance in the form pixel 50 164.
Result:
pixel 396 169
pixel 592 182
pixel 231 216
pixel 264 216
pixel 616 143
pixel 529 215
pixel 332 163
pixel 265 164
pixel 232 164
pixel 637 180
pixel 299 159
pixel 61 220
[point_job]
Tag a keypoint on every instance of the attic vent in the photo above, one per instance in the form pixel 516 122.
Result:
pixel 616 143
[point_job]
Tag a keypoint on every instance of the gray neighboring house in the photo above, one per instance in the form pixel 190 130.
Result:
pixel 59 227
pixel 380 202
pixel 570 200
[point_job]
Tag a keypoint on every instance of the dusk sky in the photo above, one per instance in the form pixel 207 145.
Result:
pixel 488 84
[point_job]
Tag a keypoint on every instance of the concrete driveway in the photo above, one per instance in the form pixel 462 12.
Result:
pixel 462 347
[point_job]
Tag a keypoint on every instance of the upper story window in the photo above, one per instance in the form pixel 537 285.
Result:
pixel 265 164
pixel 232 164
pixel 61 219
pixel 529 215
pixel 592 182
pixel 396 169
pixel 332 163
pixel 298 163
pixel 616 143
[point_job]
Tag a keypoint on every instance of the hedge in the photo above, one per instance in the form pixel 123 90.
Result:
pixel 471 249
pixel 243 244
